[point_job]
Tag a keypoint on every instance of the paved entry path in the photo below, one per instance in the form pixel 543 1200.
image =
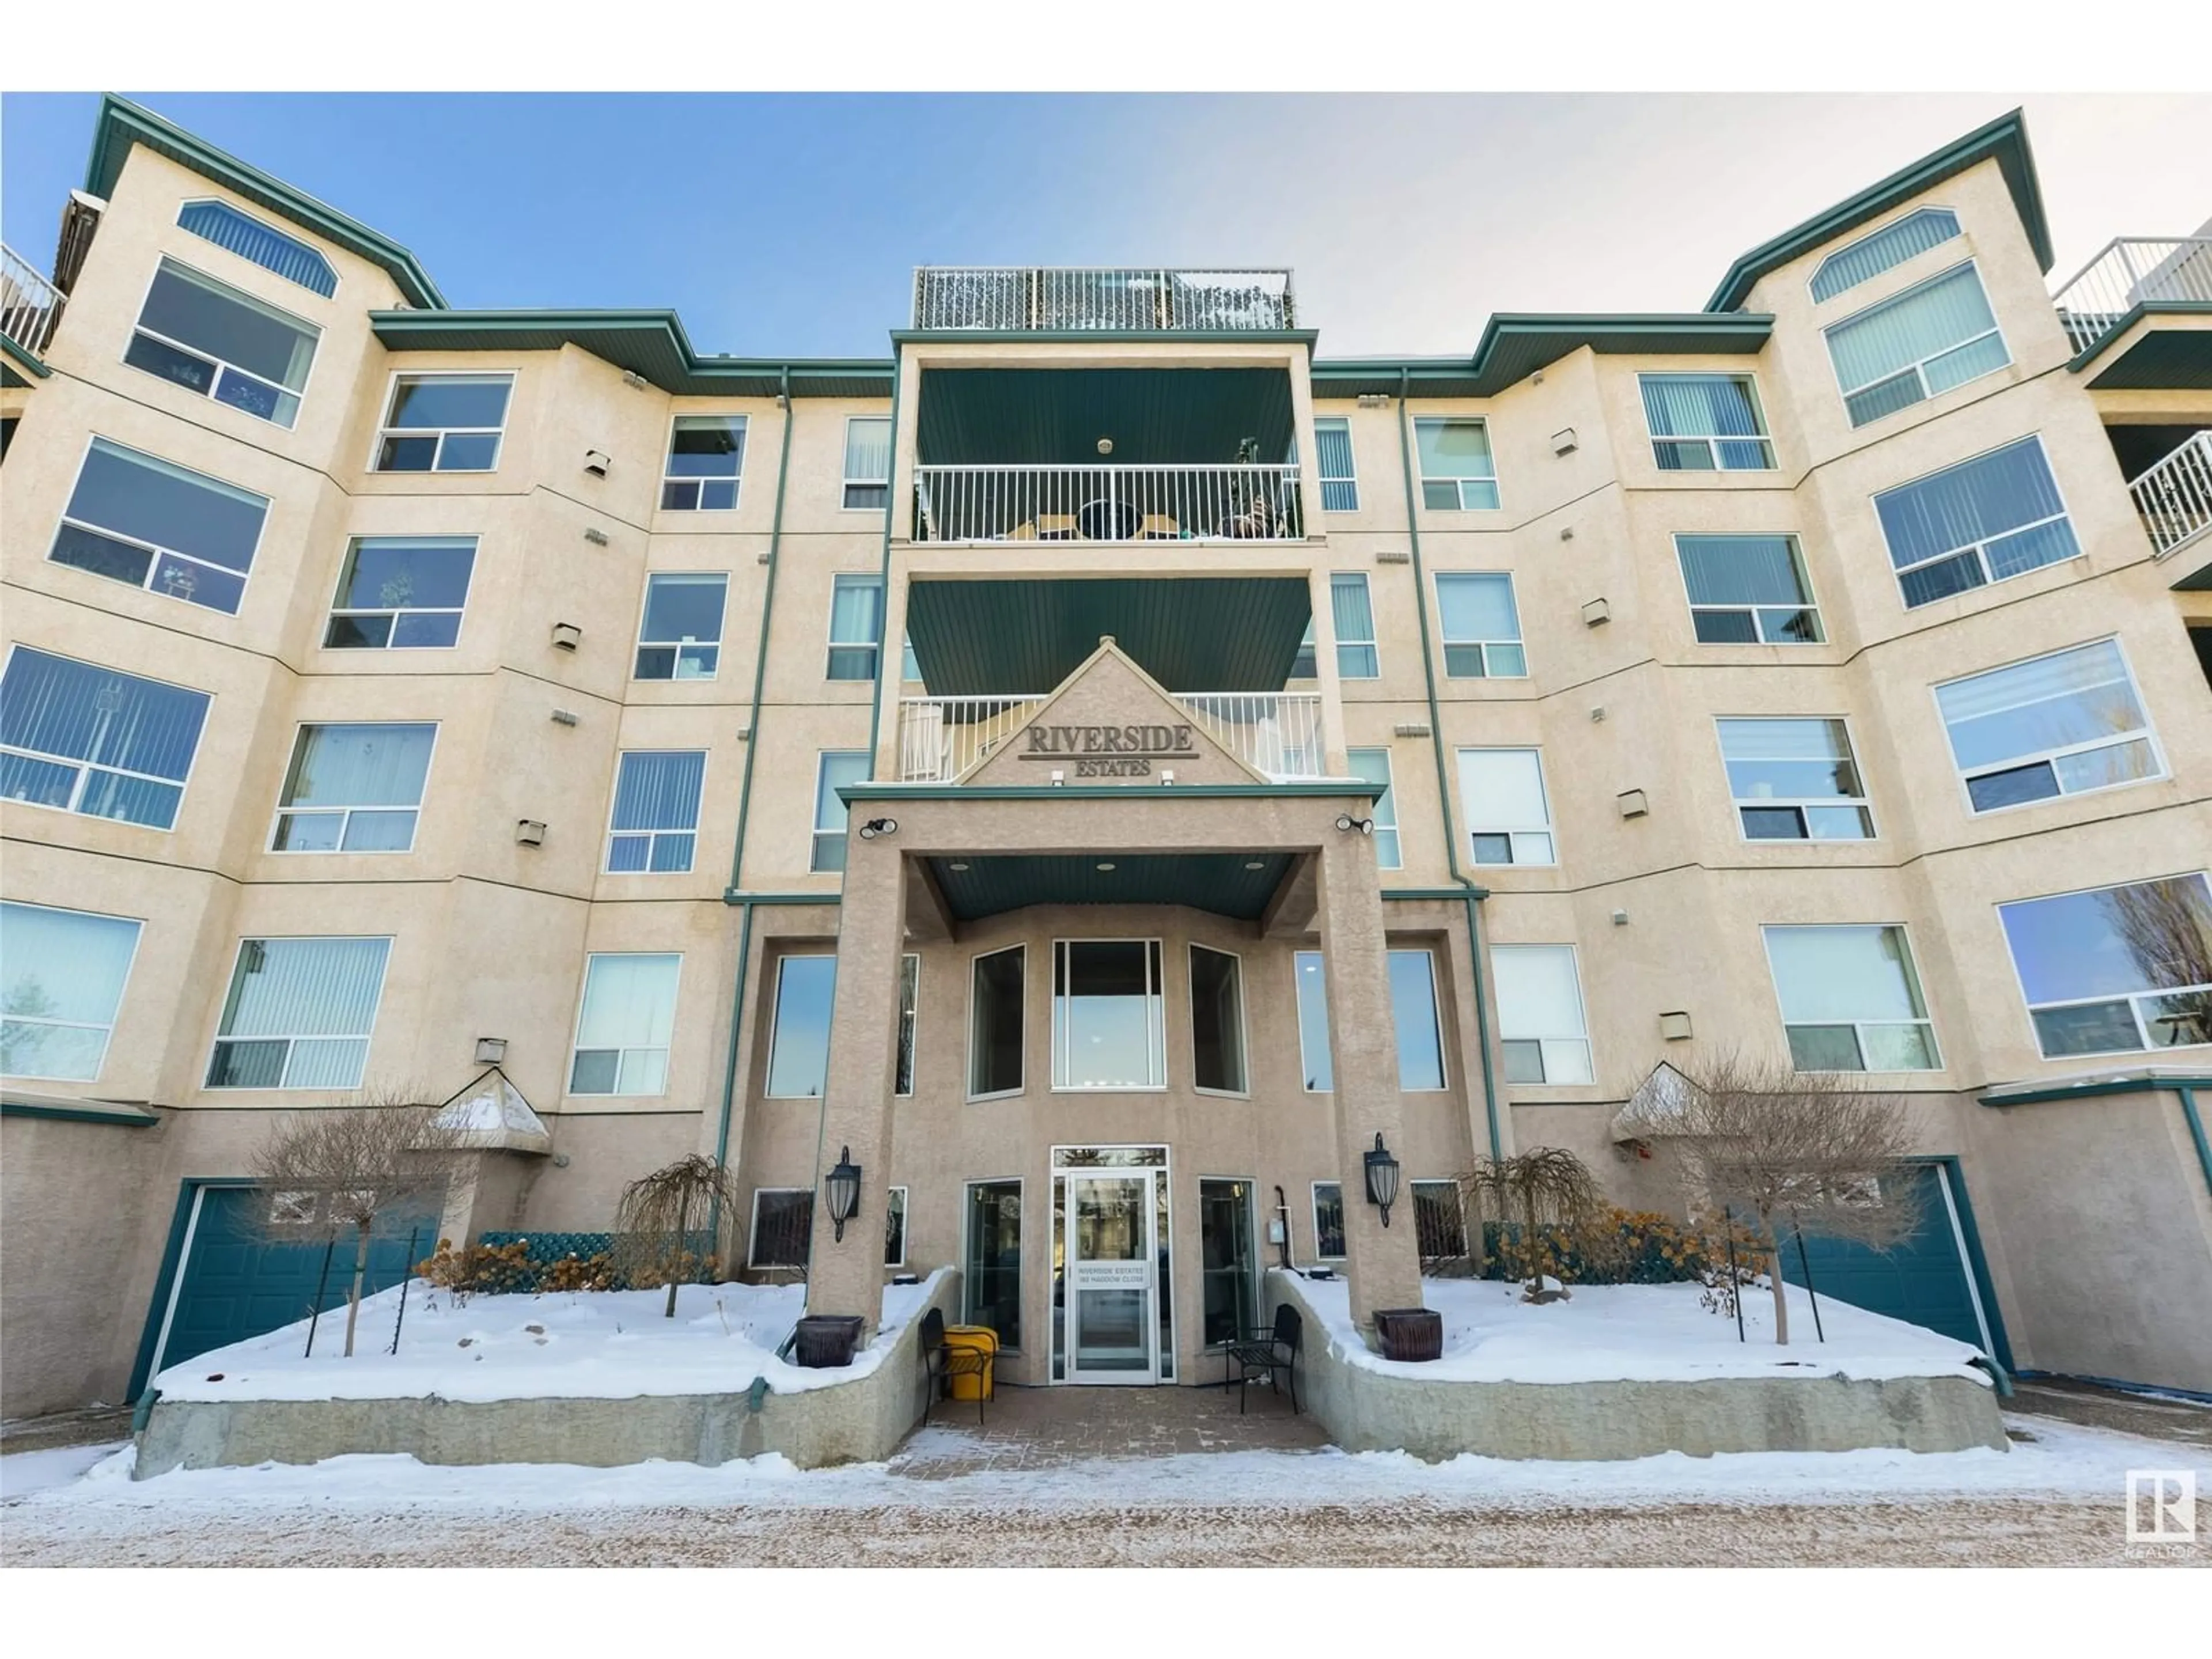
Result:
pixel 1051 1428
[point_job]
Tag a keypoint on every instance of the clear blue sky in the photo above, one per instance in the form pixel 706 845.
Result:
pixel 790 224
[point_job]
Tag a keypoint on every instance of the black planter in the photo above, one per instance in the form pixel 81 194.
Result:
pixel 826 1341
pixel 1410 1332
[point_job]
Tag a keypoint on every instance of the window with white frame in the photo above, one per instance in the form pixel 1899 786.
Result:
pixel 1374 765
pixel 2114 970
pixel 909 1007
pixel 401 593
pixel 1457 470
pixel 1915 345
pixel 1217 1021
pixel 1439 1220
pixel 1884 250
pixel 1413 1018
pixel 1311 976
pixel 2063 724
pixel 1354 618
pixel 62 974
pixel 1705 423
pixel 799 1035
pixel 1339 485
pixel 867 462
pixel 1981 521
pixel 680 635
pixel 299 1014
pixel 856 626
pixel 1748 589
pixel 1850 999
pixel 783 1227
pixel 1328 1220
pixel 1109 1020
pixel 835 769
pixel 655 826
pixel 1481 625
pixel 996 1002
pixel 705 457
pixel 1542 1027
pixel 353 788
pixel 1795 779
pixel 1501 793
pixel 81 738
pixel 163 527
pixel 443 424
pixel 223 345
pixel 247 237
pixel 1302 665
pixel 628 1018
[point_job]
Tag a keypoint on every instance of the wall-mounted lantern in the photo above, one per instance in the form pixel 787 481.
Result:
pixel 1381 1178
pixel 841 1186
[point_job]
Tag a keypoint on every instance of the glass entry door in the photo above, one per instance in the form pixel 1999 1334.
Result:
pixel 1112 1278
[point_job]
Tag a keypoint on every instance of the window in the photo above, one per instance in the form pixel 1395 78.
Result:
pixel 1541 1026
pixel 799 1035
pixel 62 974
pixel 867 462
pixel 1374 765
pixel 783 1227
pixel 1313 1022
pixel 159 526
pixel 2118 970
pixel 1884 250
pixel 1748 589
pixel 353 789
pixel 1996 516
pixel 1356 657
pixel 991 1282
pixel 1705 423
pixel 1934 336
pixel 1481 626
pixel 248 238
pixel 1439 1220
pixel 994 1023
pixel 1851 1001
pixel 894 1228
pixel 1108 1030
pixel 837 768
pixel 681 636
pixel 1413 1012
pixel 1795 780
pixel 856 626
pixel 401 593
pixel 1340 487
pixel 223 345
pixel 656 817
pixel 909 990
pixel 1328 1220
pixel 909 666
pixel 444 423
pixel 299 1014
pixel 706 455
pixel 1228 1274
pixel 1217 1021
pixel 622 1033
pixel 1303 667
pixel 1457 471
pixel 84 740
pixel 1502 792
pixel 2060 725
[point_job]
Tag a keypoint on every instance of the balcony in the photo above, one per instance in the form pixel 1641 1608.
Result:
pixel 1049 298
pixel 2132 271
pixel 1275 732
pixel 2175 496
pixel 1237 502
pixel 30 306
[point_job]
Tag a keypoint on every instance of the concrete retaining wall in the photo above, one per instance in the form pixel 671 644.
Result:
pixel 859 1421
pixel 1371 1410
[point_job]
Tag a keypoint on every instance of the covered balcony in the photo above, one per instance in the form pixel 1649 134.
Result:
pixel 1119 300
pixel 2139 317
pixel 30 306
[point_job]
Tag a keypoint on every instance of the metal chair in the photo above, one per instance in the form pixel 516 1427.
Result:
pixel 1264 1353
pixel 941 1363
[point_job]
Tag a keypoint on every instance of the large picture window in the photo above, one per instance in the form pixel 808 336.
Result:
pixel 1109 1028
pixel 444 423
pixel 353 788
pixel 1934 336
pixel 401 593
pixel 1502 797
pixel 623 1031
pixel 161 526
pixel 1457 470
pixel 836 769
pixel 223 345
pixel 799 1040
pixel 994 1023
pixel 62 974
pixel 706 456
pixel 1217 1021
pixel 299 1014
pixel 1996 516
pixel 1748 589
pixel 2116 970
pixel 93 740
pixel 1481 626
pixel 1705 423
pixel 856 626
pixel 2060 725
pixel 1850 999
pixel 656 813
pixel 1541 1025
pixel 1413 1016
pixel 680 637
pixel 1795 780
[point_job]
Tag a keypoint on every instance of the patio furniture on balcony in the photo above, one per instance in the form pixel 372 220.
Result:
pixel 1108 503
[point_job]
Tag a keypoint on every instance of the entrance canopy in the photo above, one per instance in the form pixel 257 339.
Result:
pixel 1234 885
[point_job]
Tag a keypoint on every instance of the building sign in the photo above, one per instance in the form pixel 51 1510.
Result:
pixel 1109 752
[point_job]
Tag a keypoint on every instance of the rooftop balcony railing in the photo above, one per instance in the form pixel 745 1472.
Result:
pixel 1025 299
pixel 2175 496
pixel 1277 733
pixel 1108 503
pixel 2130 270
pixel 29 304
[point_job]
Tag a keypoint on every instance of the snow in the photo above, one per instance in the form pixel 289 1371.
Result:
pixel 602 1345
pixel 24 1473
pixel 1642 1332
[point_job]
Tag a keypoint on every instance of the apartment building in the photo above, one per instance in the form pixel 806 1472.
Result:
pixel 1129 785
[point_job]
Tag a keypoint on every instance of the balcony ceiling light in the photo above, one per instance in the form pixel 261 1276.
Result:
pixel 1256 864
pixel 1104 864
pixel 1105 446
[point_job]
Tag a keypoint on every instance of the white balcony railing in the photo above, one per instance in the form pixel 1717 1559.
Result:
pixel 2131 270
pixel 29 304
pixel 1277 733
pixel 2175 496
pixel 1022 299
pixel 1107 503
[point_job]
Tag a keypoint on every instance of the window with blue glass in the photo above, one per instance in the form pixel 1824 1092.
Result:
pixel 1414 1011
pixel 91 740
pixel 681 636
pixel 1339 484
pixel 401 593
pixel 444 423
pixel 856 626
pixel 248 238
pixel 223 345
pixel 1748 589
pixel 799 1035
pixel 1884 250
pixel 1915 345
pixel 2125 969
pixel 354 788
pixel 1996 516
pixel 656 817
pixel 2063 724
pixel 1705 423
pixel 159 526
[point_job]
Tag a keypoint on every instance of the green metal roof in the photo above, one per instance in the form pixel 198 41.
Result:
pixel 1218 882
pixel 123 123
pixel 2160 359
pixel 1008 638
pixel 2003 140
pixel 1515 344
pixel 1055 417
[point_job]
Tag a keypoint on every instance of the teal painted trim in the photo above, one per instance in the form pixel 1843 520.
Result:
pixel 171 1265
pixel 896 791
pixel 2095 1087
pixel 2117 1384
pixel 1304 337
pixel 1998 1374
pixel 1454 894
pixel 1977 1263
pixel 2003 140
pixel 733 897
pixel 1515 344
pixel 888 662
pixel 2135 314
pixel 2196 1133
pixel 22 359
pixel 125 1118
pixel 123 123
pixel 143 1412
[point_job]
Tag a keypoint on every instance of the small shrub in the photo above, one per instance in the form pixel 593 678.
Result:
pixel 485 1269
pixel 576 1272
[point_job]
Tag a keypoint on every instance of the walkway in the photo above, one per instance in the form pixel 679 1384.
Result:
pixel 1050 1428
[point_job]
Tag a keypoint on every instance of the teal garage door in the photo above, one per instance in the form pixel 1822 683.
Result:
pixel 1929 1280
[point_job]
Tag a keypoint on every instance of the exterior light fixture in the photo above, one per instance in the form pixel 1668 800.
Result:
pixel 1105 863
pixel 841 1186
pixel 875 827
pixel 1381 1178
pixel 1105 446
pixel 1256 864
pixel 1346 823
pixel 958 866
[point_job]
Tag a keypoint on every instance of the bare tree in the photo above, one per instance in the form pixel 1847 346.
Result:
pixel 1781 1151
pixel 659 1214
pixel 1544 1187
pixel 2168 928
pixel 348 1170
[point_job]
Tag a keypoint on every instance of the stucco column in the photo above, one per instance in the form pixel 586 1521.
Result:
pixel 1383 1264
pixel 847 1276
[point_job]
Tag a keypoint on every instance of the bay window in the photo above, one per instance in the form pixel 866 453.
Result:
pixel 1217 1021
pixel 867 463
pixel 1310 972
pixel 996 1004
pixel 443 424
pixel 856 626
pixel 1458 472
pixel 1414 1020
pixel 706 455
pixel 1109 1028
pixel 1354 615
pixel 834 769
pixel 1340 487
pixel 1481 626
pixel 799 1031
pixel 1996 516
pixel 1915 345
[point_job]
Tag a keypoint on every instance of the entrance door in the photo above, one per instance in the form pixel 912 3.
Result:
pixel 1112 1278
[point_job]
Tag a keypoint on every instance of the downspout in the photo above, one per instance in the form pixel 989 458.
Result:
pixel 1471 894
pixel 2196 1132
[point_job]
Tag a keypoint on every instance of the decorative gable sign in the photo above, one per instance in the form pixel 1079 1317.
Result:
pixel 1110 751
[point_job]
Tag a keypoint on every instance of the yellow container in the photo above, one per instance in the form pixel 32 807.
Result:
pixel 981 1339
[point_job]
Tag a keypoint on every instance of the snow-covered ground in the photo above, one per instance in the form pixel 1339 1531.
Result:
pixel 22 1474
pixel 606 1344
pixel 1642 1333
